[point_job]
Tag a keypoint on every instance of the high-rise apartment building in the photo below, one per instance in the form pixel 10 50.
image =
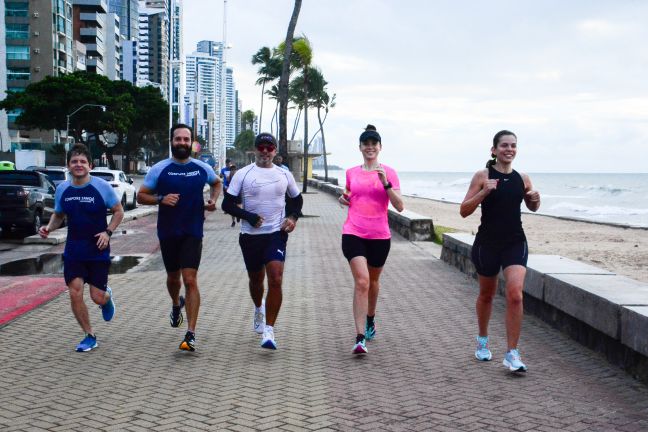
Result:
pixel 230 109
pixel 153 48
pixel 90 24
pixel 201 99
pixel 114 39
pixel 38 41
pixel 128 28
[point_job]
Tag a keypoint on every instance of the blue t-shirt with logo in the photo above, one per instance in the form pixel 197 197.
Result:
pixel 225 173
pixel 187 217
pixel 85 207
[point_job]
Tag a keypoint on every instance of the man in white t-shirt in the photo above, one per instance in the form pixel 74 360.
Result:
pixel 270 206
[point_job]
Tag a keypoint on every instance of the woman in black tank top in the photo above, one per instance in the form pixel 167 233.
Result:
pixel 500 242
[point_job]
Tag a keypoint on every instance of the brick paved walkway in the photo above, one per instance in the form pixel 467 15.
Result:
pixel 420 373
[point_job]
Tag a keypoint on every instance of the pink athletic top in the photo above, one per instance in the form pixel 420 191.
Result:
pixel 367 217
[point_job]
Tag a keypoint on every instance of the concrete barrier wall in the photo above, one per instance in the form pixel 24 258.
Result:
pixel 409 224
pixel 602 310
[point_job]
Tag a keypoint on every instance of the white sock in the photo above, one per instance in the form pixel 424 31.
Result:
pixel 270 328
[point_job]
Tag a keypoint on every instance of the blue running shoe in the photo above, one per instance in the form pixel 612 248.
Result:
pixel 108 310
pixel 513 362
pixel 189 342
pixel 175 317
pixel 88 343
pixel 482 353
pixel 268 340
pixel 370 330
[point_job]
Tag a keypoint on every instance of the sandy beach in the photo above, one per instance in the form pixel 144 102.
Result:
pixel 617 249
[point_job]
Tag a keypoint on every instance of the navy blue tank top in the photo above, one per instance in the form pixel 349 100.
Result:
pixel 501 221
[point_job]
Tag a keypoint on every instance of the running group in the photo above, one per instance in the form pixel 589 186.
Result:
pixel 265 198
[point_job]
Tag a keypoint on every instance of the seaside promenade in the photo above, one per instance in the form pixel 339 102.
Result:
pixel 420 373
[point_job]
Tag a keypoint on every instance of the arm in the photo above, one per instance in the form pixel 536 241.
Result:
pixel 103 238
pixel 531 197
pixel 214 192
pixel 147 196
pixel 229 206
pixel 293 211
pixel 54 223
pixel 480 187
pixel 394 195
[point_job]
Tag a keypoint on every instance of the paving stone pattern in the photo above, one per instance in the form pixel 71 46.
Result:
pixel 420 373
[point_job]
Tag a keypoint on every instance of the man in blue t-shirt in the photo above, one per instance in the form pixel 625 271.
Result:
pixel 176 185
pixel 86 259
pixel 225 173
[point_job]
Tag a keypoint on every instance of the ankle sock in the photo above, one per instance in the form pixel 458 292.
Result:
pixel 360 338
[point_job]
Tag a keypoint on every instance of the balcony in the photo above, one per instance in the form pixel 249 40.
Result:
pixel 98 18
pixel 95 5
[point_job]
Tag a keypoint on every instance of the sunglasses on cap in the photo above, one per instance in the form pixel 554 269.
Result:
pixel 266 147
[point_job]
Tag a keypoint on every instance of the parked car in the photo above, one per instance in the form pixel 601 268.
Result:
pixel 6 165
pixel 26 200
pixel 122 184
pixel 143 170
pixel 56 174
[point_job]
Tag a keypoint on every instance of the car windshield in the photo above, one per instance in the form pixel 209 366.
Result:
pixel 104 175
pixel 54 175
pixel 19 178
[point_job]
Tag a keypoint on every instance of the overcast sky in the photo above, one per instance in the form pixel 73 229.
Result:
pixel 439 78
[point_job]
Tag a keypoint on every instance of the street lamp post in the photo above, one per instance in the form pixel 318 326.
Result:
pixel 67 126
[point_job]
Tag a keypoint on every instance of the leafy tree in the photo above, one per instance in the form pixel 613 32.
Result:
pixel 321 100
pixel 269 71
pixel 247 120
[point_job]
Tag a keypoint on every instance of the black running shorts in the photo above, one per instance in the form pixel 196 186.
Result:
pixel 94 273
pixel 375 250
pixel 259 249
pixel 489 259
pixel 181 252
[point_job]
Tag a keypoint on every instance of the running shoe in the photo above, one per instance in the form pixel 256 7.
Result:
pixel 483 353
pixel 360 347
pixel 175 317
pixel 370 330
pixel 189 342
pixel 268 340
pixel 259 319
pixel 108 309
pixel 88 343
pixel 513 362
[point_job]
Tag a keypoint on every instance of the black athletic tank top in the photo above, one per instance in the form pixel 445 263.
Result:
pixel 501 221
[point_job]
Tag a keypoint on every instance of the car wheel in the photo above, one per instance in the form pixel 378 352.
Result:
pixel 123 201
pixel 134 201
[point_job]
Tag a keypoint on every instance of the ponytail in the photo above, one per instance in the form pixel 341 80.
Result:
pixel 492 161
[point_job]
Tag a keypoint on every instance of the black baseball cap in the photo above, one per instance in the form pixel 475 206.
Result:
pixel 265 138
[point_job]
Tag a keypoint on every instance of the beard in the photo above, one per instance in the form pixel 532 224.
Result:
pixel 180 151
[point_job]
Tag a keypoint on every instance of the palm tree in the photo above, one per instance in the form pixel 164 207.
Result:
pixel 269 71
pixel 273 93
pixel 321 100
pixel 283 80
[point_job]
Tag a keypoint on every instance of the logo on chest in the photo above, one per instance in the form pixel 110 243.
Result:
pixel 185 174
pixel 81 199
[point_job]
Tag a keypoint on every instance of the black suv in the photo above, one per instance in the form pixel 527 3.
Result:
pixel 26 200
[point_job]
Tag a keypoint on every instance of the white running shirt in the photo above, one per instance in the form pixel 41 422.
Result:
pixel 263 191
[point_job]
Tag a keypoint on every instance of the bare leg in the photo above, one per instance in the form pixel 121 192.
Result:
pixel 514 276
pixel 360 272
pixel 374 289
pixel 173 286
pixel 99 296
pixel 274 270
pixel 192 305
pixel 256 286
pixel 79 308
pixel 484 306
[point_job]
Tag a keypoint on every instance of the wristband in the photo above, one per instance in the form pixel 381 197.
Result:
pixel 160 198
pixel 388 186
pixel 109 232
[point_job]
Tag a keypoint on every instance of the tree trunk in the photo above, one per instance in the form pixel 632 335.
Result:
pixel 296 124
pixel 319 118
pixel 305 183
pixel 283 82
pixel 261 110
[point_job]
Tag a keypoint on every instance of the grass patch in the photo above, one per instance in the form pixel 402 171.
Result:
pixel 438 233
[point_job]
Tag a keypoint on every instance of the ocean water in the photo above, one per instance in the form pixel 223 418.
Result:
pixel 609 198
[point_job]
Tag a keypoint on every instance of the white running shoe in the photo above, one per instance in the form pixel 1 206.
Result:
pixel 268 340
pixel 259 319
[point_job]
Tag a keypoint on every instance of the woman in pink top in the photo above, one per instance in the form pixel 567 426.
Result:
pixel 370 188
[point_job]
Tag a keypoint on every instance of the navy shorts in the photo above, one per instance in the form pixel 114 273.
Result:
pixel 258 250
pixel 181 252
pixel 375 250
pixel 94 273
pixel 489 259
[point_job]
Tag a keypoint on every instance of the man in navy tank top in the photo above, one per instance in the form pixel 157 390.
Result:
pixel 176 185
pixel 86 259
